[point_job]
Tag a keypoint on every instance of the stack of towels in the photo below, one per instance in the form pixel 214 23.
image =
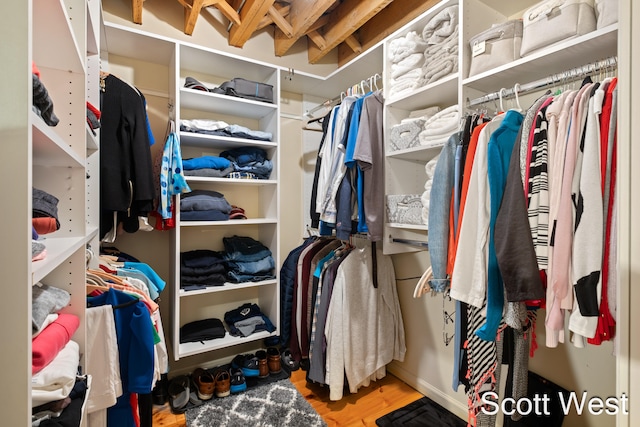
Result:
pixel 438 128
pixel 441 54
pixel 418 59
pixel 406 56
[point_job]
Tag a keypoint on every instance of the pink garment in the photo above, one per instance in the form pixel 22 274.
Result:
pixel 51 340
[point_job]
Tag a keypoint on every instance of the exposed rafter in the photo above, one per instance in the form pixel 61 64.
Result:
pixel 344 21
pixel 250 15
pixel 351 26
pixel 303 15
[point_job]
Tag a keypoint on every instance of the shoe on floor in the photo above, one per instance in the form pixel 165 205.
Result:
pixel 223 383
pixel 248 363
pixel 204 382
pixel 237 383
pixel 288 361
pixel 273 360
pixel 263 367
pixel 179 394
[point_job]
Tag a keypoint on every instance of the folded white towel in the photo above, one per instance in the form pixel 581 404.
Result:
pixel 402 47
pixel 441 25
pixel 437 70
pixel 425 113
pixel 411 62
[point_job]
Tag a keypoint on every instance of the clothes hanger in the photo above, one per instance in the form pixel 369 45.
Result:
pixel 500 94
pixel 516 89
pixel 422 287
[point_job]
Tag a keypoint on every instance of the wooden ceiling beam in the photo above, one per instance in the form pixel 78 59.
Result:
pixel 391 18
pixel 228 11
pixel 280 21
pixel 137 11
pixel 353 43
pixel 266 21
pixel 321 22
pixel 303 15
pixel 344 21
pixel 250 16
pixel 317 39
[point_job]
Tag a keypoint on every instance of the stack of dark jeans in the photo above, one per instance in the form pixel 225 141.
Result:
pixel 248 260
pixel 249 161
pixel 201 268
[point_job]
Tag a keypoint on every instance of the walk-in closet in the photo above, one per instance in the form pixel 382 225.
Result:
pixel 443 195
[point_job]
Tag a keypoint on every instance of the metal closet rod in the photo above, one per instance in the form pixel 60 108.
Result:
pixel 370 81
pixel 572 74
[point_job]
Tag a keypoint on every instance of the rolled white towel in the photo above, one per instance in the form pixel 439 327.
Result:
pixel 430 167
pixel 425 206
pixel 441 25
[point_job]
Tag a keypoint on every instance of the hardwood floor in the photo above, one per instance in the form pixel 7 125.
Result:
pixel 360 409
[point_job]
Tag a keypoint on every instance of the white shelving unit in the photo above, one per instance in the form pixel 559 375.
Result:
pixel 60 38
pixel 258 197
pixel 405 168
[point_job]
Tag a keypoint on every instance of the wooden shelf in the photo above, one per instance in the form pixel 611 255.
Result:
pixel 223 104
pixel 193 348
pixel 227 287
pixel 49 149
pixel 193 139
pixel 415 154
pixel 444 93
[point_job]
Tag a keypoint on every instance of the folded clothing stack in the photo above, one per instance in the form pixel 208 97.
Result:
pixel 437 130
pixel 248 260
pixel 441 54
pixel 204 205
pixel 405 134
pixel 406 56
pixel 220 128
pixel 202 268
pixel 249 162
pixel 209 166
pixel 44 211
pixel 246 320
pixel 202 330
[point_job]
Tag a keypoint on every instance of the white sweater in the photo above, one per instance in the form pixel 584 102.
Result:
pixel 364 329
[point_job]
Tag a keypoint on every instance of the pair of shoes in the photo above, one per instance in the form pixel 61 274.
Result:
pixel 237 382
pixel 263 366
pixel 273 357
pixel 179 389
pixel 248 363
pixel 288 361
pixel 223 383
pixel 204 382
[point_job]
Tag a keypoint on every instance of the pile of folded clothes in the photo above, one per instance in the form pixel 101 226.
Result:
pixel 248 260
pixel 204 205
pixel 246 320
pixel 441 54
pixel 220 128
pixel 248 163
pixel 405 134
pixel 406 56
pixel 209 166
pixel 437 130
pixel 202 268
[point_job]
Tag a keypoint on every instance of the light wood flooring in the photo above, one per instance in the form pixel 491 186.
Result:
pixel 360 409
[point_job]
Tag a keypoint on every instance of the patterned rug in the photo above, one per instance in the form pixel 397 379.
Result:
pixel 278 404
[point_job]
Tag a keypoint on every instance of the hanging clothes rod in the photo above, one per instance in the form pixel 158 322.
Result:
pixel 419 243
pixel 569 75
pixel 370 81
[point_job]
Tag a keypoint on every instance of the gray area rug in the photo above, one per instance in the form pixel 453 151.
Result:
pixel 278 404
